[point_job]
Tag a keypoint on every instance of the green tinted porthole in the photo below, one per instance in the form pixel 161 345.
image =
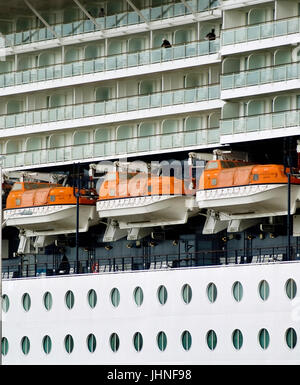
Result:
pixel 186 293
pixel 92 298
pixel 291 338
pixel 26 301
pixel 264 290
pixel 25 345
pixel 291 288
pixel 69 344
pixel 211 339
pixel 264 338
pixel 138 296
pixel 4 346
pixel 237 291
pixel 186 340
pixel 212 292
pixel 70 299
pixel 114 342
pixel 91 343
pixel 115 297
pixel 48 300
pixel 162 341
pixel 237 339
pixel 47 344
pixel 162 294
pixel 5 303
pixel 138 341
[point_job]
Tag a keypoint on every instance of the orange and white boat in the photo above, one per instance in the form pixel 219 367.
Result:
pixel 235 190
pixel 134 202
pixel 42 209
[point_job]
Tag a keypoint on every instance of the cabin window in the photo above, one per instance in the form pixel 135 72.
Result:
pixel 214 182
pixel 18 202
pixel 212 166
pixel 16 187
pixel 52 198
pixel 255 177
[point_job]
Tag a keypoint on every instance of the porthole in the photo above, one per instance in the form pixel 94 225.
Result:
pixel 291 338
pixel 115 297
pixel 5 303
pixel 186 293
pixel 25 345
pixel 91 343
pixel 212 292
pixel 138 296
pixel 48 300
pixel 26 301
pixel 138 341
pixel 237 339
pixel 70 299
pixel 186 340
pixel 162 341
pixel 92 298
pixel 47 344
pixel 264 338
pixel 237 291
pixel 162 294
pixel 4 346
pixel 264 290
pixel 291 288
pixel 114 342
pixel 211 339
pixel 69 344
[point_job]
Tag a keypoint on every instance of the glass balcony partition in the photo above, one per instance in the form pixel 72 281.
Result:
pixel 112 148
pixel 260 31
pixel 262 122
pixel 162 12
pixel 112 106
pixel 259 76
pixel 109 63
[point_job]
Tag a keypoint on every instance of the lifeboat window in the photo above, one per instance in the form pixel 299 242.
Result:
pixel 255 177
pixel 228 164
pixel 52 198
pixel 34 186
pixel 18 202
pixel 214 182
pixel 17 187
pixel 212 166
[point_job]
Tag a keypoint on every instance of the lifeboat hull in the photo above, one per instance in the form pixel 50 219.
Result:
pixel 51 219
pixel 252 201
pixel 148 211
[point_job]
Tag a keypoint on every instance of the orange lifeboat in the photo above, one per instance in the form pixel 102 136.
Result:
pixel 240 190
pixel 48 209
pixel 133 201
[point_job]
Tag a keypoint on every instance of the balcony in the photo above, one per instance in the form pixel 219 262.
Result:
pixel 175 141
pixel 82 69
pixel 259 81
pixel 262 126
pixel 111 22
pixel 261 36
pixel 113 110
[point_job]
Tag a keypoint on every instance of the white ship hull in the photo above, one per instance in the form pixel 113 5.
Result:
pixel 148 211
pixel 254 201
pixel 51 220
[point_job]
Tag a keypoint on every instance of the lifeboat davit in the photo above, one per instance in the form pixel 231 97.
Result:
pixel 135 202
pixel 40 209
pixel 239 190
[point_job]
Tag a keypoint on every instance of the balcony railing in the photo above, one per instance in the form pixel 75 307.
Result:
pixel 259 76
pixel 150 262
pixel 109 63
pixel 113 148
pixel 108 22
pixel 260 31
pixel 113 106
pixel 262 122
